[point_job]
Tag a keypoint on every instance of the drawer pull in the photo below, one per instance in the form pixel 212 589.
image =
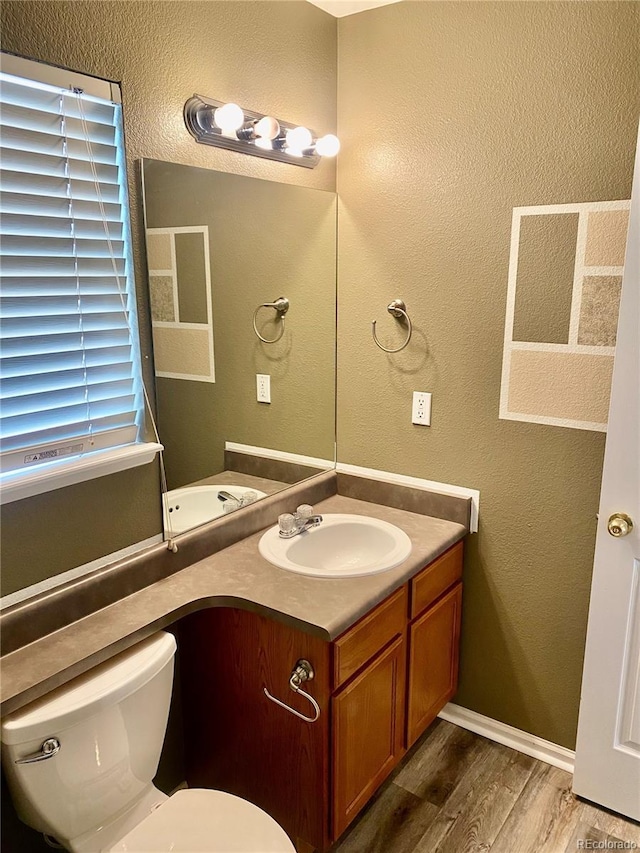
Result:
pixel 302 671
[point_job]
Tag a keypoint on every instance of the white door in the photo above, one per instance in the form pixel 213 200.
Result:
pixel 607 769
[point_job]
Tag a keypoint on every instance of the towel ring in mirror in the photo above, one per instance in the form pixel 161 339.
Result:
pixel 281 306
pixel 398 309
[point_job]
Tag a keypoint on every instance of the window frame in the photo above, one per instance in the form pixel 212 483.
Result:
pixel 26 482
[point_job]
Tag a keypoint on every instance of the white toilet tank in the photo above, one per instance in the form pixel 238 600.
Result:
pixel 110 723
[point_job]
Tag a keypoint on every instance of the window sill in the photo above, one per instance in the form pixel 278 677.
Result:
pixel 16 485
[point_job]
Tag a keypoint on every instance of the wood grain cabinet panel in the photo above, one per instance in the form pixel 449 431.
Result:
pixel 236 739
pixel 368 723
pixel 438 576
pixel 363 640
pixel 433 662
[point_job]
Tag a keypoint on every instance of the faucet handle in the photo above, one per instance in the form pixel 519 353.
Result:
pixel 304 511
pixel 286 523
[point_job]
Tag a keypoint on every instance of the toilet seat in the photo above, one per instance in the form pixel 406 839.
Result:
pixel 204 821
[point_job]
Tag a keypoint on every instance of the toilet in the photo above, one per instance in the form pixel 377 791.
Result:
pixel 80 764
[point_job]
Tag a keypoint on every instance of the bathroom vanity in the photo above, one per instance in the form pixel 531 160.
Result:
pixel 383 647
pixel 378 686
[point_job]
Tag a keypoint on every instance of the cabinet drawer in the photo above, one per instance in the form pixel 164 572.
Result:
pixel 362 641
pixel 436 579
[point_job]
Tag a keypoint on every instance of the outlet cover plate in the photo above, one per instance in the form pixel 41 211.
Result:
pixel 421 409
pixel 263 387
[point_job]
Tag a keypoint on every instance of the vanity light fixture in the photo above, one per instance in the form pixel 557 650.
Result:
pixel 230 126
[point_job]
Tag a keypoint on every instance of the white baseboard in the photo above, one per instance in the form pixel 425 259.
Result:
pixel 536 747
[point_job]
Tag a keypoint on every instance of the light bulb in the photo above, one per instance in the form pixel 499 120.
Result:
pixel 299 138
pixel 328 146
pixel 229 117
pixel 265 144
pixel 267 128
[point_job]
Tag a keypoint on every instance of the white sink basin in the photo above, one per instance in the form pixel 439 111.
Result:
pixel 194 505
pixel 342 546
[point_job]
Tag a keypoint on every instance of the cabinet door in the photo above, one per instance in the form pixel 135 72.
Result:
pixel 368 721
pixel 434 640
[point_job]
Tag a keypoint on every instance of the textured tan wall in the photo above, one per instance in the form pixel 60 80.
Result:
pixel 286 246
pixel 269 56
pixel 451 114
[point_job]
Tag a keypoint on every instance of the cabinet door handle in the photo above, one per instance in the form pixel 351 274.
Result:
pixel 302 671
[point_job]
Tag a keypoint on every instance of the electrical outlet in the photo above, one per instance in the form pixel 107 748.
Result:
pixel 263 387
pixel 421 409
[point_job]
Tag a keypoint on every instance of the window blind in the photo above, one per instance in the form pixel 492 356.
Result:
pixel 69 362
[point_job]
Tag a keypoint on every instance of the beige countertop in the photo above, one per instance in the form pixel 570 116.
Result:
pixel 234 577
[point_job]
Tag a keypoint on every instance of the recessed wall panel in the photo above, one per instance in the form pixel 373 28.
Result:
pixel 191 277
pixel 546 263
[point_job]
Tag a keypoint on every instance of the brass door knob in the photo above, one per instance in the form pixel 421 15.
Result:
pixel 619 524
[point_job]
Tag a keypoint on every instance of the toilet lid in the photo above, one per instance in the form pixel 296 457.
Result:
pixel 203 821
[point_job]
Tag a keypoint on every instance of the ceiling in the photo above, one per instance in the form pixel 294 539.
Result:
pixel 340 8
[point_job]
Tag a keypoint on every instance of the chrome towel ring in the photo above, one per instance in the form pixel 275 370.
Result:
pixel 398 309
pixel 281 306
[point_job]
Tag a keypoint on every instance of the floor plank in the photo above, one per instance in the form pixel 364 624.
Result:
pixel 433 770
pixel 611 823
pixel 544 817
pixel 457 792
pixel 393 823
pixel 585 834
pixel 480 803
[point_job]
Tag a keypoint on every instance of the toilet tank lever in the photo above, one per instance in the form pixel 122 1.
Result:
pixel 49 748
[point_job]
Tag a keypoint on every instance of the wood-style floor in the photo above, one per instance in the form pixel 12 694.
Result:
pixel 456 792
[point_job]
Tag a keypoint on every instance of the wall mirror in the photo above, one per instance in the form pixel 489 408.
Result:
pixel 222 251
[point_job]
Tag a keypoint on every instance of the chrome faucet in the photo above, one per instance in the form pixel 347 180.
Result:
pixel 302 519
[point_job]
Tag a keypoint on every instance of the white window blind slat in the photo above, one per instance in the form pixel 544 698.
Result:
pixel 37 245
pixel 36 142
pixel 44 306
pixel 16 327
pixel 28 346
pixel 69 361
pixel 41 382
pixel 64 397
pixel 62 416
pixel 50 208
pixel 48 189
pixel 56 166
pixel 30 118
pixel 15 91
pixel 26 267
pixel 17 224
pixel 38 372
pixel 61 285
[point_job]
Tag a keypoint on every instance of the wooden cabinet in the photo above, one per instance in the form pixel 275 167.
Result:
pixel 368 711
pixel 378 686
pixel 433 662
pixel 434 639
